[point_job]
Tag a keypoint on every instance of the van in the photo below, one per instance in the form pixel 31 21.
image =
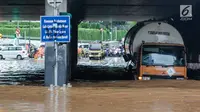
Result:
pixel 18 52
pixel 96 51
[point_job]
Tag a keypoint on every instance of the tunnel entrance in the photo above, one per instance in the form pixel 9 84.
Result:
pixel 100 50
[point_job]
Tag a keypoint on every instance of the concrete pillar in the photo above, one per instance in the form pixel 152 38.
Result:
pixel 63 55
pixel 73 46
pixel 77 9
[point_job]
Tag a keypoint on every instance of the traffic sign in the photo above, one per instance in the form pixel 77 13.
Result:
pixel 17 32
pixel 55 28
pixel 54 3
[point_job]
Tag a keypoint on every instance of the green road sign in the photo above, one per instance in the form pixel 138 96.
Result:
pixel 65 13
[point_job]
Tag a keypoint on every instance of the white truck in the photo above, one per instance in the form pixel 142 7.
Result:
pixel 155 50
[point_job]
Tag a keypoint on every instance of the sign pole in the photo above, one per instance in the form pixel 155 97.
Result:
pixel 55 29
pixel 56 51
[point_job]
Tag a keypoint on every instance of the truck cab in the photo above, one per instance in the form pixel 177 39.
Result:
pixel 161 60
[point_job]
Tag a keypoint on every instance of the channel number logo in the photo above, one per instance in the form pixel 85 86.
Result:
pixel 185 10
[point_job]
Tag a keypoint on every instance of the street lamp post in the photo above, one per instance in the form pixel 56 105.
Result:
pixel 101 34
pixel 116 32
pixel 111 30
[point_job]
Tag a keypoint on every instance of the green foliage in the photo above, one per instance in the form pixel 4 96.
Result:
pixel 21 24
pixel 91 34
pixel 83 34
pixel 96 34
pixel 89 25
pixel 34 32
pixel 87 30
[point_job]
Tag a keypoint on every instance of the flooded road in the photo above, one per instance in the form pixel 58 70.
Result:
pixel 31 71
pixel 122 96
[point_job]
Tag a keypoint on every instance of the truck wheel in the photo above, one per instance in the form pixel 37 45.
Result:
pixel 135 77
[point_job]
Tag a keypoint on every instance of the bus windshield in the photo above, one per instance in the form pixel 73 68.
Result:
pixel 163 55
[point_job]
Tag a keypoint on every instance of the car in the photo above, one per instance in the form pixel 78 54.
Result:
pixel 18 52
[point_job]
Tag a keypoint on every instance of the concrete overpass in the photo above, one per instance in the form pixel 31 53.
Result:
pixel 138 10
pixel 95 9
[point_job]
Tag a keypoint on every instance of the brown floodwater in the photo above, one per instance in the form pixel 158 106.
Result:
pixel 119 96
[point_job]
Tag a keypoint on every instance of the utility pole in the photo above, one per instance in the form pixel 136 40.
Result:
pixel 18 24
pixel 56 49
pixel 102 34
pixel 29 38
pixel 25 37
pixel 17 34
pixel 111 29
pixel 116 32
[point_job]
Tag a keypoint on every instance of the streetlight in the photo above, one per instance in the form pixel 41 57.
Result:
pixel 111 36
pixel 101 34
pixel 116 32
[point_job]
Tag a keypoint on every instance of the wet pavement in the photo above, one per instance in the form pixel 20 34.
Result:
pixel 107 62
pixel 33 65
pixel 110 68
pixel 20 66
pixel 31 71
pixel 14 71
pixel 122 96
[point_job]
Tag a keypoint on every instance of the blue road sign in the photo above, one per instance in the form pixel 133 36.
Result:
pixel 55 28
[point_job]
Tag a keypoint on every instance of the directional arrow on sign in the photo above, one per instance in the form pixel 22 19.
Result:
pixel 54 3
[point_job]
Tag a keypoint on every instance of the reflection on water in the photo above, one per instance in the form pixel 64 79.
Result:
pixel 159 106
pixel 55 100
